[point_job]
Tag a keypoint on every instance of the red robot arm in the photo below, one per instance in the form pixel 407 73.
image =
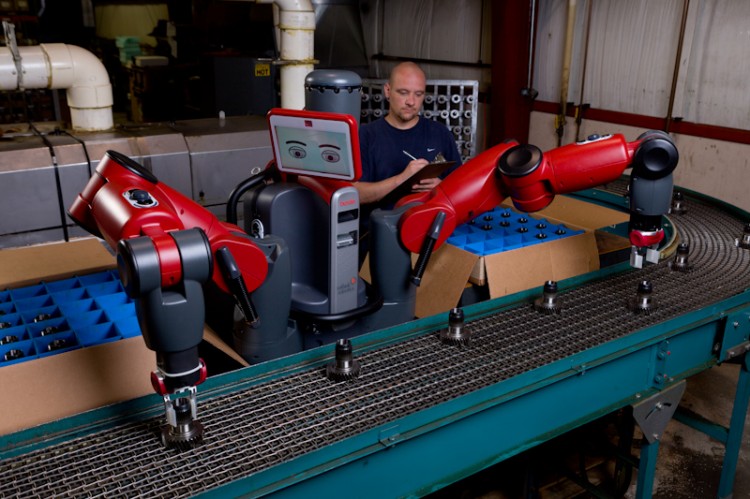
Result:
pixel 168 247
pixel 532 179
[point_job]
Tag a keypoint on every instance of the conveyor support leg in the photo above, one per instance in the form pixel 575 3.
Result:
pixel 653 415
pixel 731 437
pixel 646 469
pixel 736 427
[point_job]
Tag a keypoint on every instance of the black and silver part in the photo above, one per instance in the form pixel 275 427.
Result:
pixel 344 366
pixel 343 268
pixel 650 192
pixel 680 263
pixel 183 429
pixel 744 240
pixel 679 206
pixel 643 302
pixel 548 303
pixel 456 333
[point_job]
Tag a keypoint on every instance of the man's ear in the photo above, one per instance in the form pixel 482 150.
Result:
pixel 387 91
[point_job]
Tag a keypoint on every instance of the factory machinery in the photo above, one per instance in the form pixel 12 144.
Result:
pixel 412 408
pixel 202 159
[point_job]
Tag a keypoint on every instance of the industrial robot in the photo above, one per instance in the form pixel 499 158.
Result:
pixel 290 281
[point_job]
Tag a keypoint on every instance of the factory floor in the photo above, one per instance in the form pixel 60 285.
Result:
pixel 688 465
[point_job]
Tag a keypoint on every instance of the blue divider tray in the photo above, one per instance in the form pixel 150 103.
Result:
pixel 59 316
pixel 504 229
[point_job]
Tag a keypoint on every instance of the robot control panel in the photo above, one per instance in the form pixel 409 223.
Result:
pixel 322 150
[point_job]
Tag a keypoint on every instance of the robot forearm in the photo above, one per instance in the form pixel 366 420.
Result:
pixel 532 178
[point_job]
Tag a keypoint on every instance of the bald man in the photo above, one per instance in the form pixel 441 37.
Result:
pixel 397 146
pixel 400 144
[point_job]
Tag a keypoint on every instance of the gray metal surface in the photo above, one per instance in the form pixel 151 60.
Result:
pixel 28 190
pixel 221 157
pixel 267 424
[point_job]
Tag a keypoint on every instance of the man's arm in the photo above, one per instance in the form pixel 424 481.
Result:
pixel 371 192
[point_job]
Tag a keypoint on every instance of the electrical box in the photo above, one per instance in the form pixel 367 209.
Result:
pixel 242 85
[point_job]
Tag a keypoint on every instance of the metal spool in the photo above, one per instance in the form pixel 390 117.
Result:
pixel 344 366
pixel 680 262
pixel 548 303
pixel 456 333
pixel 643 302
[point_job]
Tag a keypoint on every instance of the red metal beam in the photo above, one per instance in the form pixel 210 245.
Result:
pixel 509 110
pixel 652 123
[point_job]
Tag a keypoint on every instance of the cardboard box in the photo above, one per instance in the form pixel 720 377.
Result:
pixel 51 387
pixel 450 269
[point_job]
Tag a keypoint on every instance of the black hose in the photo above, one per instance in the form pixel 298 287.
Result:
pixel 83 144
pixel 53 156
pixel 241 189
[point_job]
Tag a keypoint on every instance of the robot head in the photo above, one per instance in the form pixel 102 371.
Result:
pixel 315 144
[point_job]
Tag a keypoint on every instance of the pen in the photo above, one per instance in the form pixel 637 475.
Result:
pixel 412 157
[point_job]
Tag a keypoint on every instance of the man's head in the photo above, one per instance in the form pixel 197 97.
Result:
pixel 405 92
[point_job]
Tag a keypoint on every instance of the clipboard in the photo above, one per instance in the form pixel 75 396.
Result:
pixel 430 170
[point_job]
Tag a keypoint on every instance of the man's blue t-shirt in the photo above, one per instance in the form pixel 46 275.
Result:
pixel 382 147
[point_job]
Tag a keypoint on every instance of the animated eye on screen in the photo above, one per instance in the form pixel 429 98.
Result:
pixel 313 150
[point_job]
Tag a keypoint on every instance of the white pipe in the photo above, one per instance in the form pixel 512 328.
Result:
pixel 296 25
pixel 58 66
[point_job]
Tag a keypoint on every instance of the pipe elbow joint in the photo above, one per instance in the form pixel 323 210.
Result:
pixel 81 73
pixel 87 85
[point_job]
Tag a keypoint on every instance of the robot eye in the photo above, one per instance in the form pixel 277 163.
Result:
pixel 330 156
pixel 297 152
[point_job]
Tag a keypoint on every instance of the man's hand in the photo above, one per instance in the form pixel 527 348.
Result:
pixel 412 168
pixel 370 192
pixel 426 184
pixel 423 185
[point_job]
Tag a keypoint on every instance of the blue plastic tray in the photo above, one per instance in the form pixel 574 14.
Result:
pixel 59 316
pixel 504 229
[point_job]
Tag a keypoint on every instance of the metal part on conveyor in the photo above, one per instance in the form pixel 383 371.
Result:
pixel 187 432
pixel 744 241
pixel 643 302
pixel 456 333
pixel 680 262
pixel 548 302
pixel 344 366
pixel 260 424
pixel 678 204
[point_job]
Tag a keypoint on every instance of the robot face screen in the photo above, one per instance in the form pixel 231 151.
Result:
pixel 313 146
pixel 313 151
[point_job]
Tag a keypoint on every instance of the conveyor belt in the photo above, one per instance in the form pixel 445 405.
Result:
pixel 254 429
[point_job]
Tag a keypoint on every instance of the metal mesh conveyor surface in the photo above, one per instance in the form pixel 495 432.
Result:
pixel 259 427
